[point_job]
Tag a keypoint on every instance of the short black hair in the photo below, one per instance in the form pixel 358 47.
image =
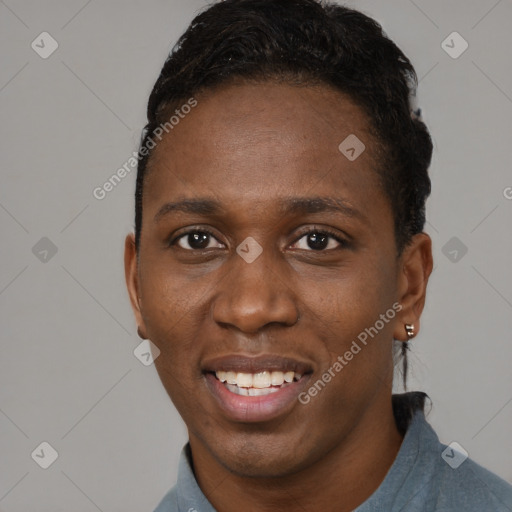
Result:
pixel 305 42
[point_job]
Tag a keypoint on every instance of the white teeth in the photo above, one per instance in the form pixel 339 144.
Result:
pixel 277 378
pixel 231 377
pixel 250 391
pixel 260 380
pixel 260 392
pixel 239 391
pixel 244 380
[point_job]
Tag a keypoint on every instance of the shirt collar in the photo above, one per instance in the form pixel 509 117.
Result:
pixel 189 495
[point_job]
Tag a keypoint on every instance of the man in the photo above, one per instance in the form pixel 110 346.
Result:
pixel 279 260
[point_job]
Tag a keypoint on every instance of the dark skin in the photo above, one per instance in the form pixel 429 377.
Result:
pixel 250 146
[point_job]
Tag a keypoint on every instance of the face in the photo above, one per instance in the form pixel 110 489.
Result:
pixel 265 252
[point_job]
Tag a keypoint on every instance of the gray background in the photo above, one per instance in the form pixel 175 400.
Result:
pixel 68 375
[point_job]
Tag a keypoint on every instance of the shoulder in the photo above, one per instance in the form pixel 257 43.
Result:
pixel 471 487
pixel 439 478
pixel 459 483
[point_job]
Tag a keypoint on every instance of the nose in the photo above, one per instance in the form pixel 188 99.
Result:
pixel 253 295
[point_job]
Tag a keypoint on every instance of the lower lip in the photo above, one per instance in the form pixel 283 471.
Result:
pixel 252 409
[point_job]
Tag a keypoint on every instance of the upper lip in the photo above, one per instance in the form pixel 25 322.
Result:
pixel 249 364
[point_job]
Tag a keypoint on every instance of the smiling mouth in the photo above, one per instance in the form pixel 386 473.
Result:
pixel 256 384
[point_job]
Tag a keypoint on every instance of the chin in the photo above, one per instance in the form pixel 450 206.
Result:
pixel 261 459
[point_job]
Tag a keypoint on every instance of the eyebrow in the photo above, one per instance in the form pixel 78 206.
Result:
pixel 287 206
pixel 197 206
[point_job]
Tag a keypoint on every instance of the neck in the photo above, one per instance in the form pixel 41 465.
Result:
pixel 339 482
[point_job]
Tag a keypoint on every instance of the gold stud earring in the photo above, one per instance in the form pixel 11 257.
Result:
pixel 409 330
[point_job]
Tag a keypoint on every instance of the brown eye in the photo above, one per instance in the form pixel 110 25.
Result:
pixel 196 240
pixel 319 240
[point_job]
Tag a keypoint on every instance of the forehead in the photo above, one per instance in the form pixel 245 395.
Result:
pixel 264 141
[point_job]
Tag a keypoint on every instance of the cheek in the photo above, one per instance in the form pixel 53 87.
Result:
pixel 172 328
pixel 171 310
pixel 356 351
pixel 349 309
pixel 168 299
pixel 353 297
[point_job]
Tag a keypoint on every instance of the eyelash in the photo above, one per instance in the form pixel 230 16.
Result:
pixel 193 230
pixel 323 231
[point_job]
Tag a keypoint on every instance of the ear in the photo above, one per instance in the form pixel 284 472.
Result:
pixel 415 267
pixel 132 282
